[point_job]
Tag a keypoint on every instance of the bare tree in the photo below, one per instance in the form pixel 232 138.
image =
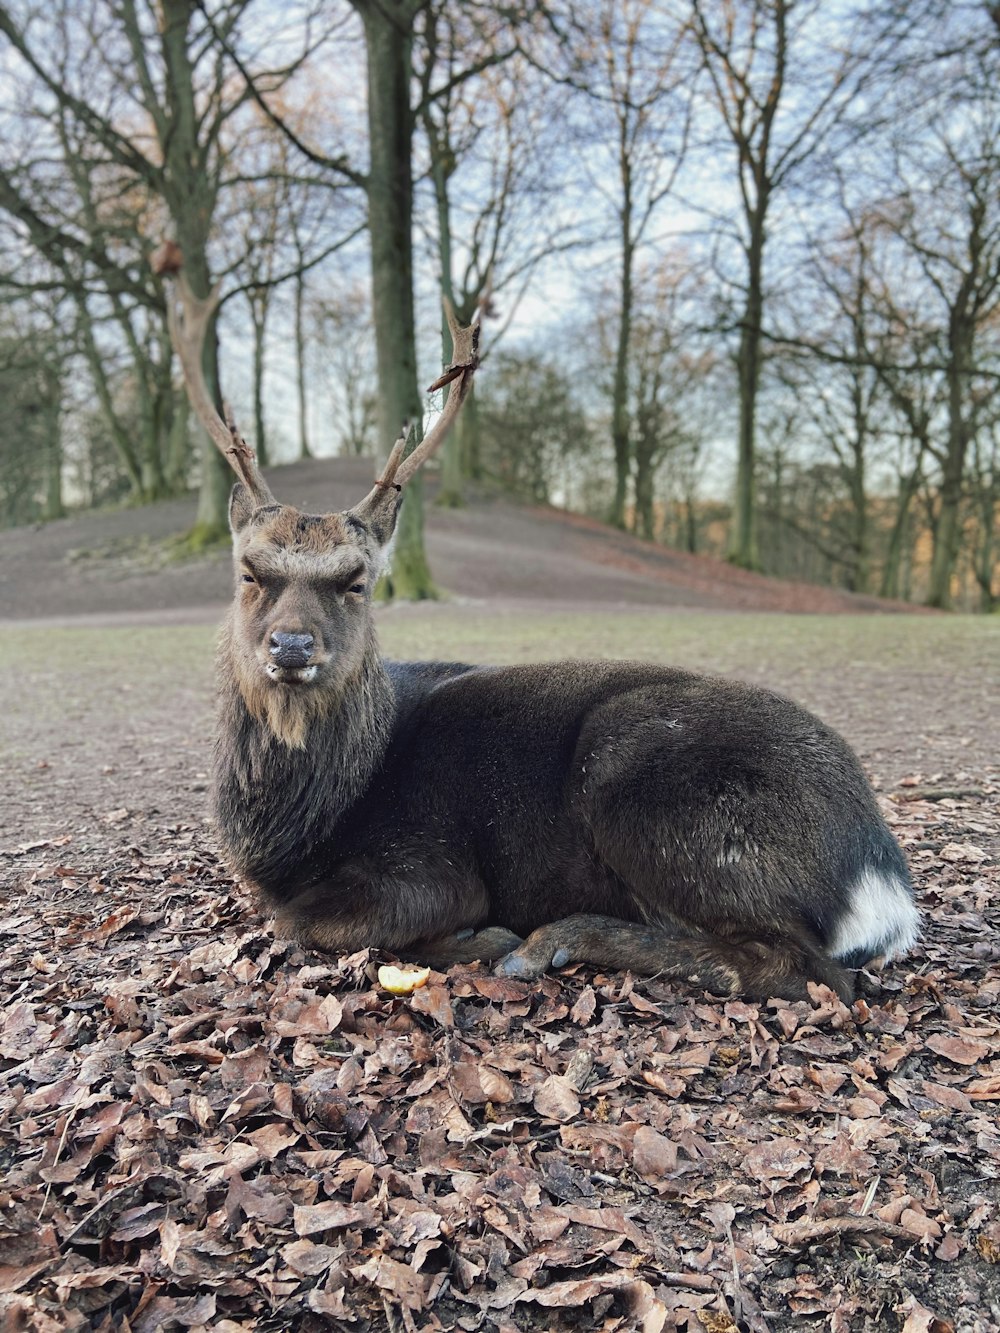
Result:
pixel 100 66
pixel 780 87
pixel 495 179
pixel 339 317
pixel 629 66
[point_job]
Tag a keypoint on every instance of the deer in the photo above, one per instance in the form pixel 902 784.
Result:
pixel 625 815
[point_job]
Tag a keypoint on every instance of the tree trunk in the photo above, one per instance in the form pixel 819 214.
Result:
pixel 859 571
pixel 645 512
pixel 690 525
pixel 52 504
pixel 743 541
pixel 890 585
pixel 948 531
pixel 388 34
pixel 179 444
pixel 258 316
pixel 190 193
pixel 300 364
pixel 984 563
pixel 645 517
pixel 619 392
pixel 469 437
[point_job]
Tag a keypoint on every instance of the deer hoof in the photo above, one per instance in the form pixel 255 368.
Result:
pixel 516 965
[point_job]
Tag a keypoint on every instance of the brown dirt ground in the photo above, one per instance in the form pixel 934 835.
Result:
pixel 120 929
pixel 111 563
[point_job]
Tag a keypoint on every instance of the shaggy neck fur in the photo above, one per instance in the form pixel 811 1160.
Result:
pixel 275 798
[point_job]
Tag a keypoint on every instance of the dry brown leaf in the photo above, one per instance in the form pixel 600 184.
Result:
pixel 398 1280
pixel 653 1154
pixel 959 1050
pixel 920 1225
pixel 778 1159
pixel 943 1095
pixel 309 1219
pixel 921 1320
pixel 496 1087
pixel 584 1009
pixel 963 851
pixel 984 1089
pixel 556 1099
pixel 434 1001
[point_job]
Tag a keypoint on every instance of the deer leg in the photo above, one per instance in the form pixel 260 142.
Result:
pixel 467 946
pixel 422 910
pixel 750 966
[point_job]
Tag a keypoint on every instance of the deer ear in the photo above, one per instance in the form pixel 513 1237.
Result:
pixel 241 507
pixel 378 512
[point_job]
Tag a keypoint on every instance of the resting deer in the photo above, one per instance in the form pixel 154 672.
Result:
pixel 614 813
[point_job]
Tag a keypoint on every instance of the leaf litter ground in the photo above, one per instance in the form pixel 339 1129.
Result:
pixel 203 1127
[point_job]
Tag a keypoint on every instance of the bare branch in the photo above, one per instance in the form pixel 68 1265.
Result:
pixel 459 374
pixel 188 317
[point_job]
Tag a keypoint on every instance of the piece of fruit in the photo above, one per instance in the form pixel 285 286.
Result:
pixel 402 980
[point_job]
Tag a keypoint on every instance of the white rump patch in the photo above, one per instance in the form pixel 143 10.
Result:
pixel 882 921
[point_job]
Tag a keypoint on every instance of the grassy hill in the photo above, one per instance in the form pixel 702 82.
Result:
pixel 118 566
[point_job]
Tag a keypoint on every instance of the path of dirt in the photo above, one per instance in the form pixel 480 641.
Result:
pixel 111 563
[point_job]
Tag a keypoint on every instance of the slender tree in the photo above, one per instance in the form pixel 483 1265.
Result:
pixel 780 87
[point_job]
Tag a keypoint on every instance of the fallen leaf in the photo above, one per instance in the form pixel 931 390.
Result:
pixel 308 1219
pixel 962 851
pixel 959 1050
pixel 778 1159
pixel 556 1099
pixel 653 1154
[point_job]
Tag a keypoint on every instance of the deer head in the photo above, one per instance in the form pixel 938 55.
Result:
pixel 300 627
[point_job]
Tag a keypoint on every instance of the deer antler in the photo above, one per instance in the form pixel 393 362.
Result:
pixel 188 317
pixel 465 361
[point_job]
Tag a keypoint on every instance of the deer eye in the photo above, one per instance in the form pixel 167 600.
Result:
pixel 248 578
pixel 356 587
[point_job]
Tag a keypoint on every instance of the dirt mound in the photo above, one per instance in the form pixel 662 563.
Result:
pixel 114 565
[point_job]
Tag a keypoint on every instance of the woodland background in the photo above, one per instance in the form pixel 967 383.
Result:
pixel 745 262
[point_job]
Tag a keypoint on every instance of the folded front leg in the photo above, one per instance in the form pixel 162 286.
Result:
pixel 484 946
pixel 750 966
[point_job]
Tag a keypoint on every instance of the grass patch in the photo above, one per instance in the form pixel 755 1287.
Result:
pixel 115 677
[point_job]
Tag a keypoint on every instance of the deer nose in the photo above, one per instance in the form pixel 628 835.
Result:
pixel 291 650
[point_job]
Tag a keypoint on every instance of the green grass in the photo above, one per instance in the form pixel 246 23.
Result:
pixel 727 643
pixel 109 674
pixel 142 661
pixel 921 687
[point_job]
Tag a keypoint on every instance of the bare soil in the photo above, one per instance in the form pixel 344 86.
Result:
pixel 116 564
pixel 201 1127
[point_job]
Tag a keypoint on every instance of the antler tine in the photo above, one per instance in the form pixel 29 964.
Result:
pixel 388 478
pixel 465 362
pixel 398 470
pixel 188 318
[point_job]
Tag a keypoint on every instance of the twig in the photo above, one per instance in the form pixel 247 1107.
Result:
pixel 62 1143
pixel 870 1195
pixel 797 1235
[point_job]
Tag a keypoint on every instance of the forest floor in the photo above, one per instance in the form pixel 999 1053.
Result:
pixel 204 1128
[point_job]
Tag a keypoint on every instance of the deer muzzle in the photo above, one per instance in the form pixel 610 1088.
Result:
pixel 290 652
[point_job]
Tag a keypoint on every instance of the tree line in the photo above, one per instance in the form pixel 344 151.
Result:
pixel 743 258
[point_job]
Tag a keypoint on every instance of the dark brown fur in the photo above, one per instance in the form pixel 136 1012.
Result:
pixel 628 815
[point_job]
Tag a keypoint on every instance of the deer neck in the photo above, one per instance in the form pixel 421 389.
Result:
pixel 275 801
